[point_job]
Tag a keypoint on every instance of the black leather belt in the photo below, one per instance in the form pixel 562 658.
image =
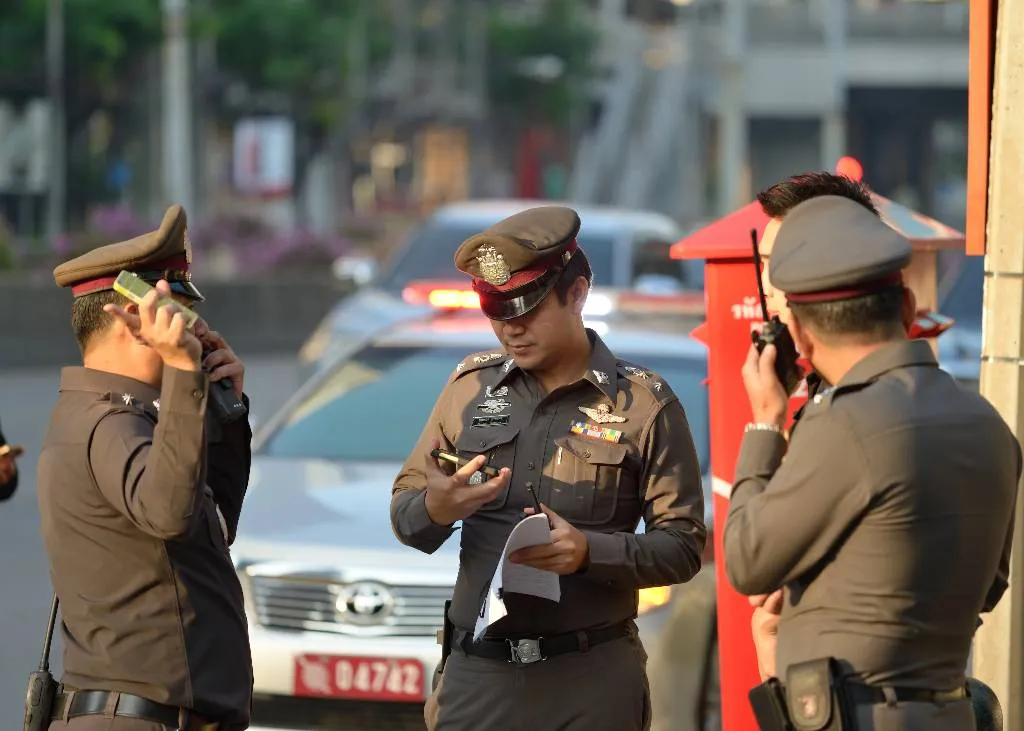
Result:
pixel 94 703
pixel 531 650
pixel 875 695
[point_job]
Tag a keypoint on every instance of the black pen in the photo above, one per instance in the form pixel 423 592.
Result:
pixel 536 500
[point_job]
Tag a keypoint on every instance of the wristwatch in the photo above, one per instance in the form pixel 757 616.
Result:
pixel 754 426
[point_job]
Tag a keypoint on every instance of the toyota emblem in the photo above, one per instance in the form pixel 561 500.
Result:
pixel 365 603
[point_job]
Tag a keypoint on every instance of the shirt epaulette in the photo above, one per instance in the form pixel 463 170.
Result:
pixel 476 361
pixel 650 380
pixel 128 402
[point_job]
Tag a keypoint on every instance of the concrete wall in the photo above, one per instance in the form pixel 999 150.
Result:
pixel 255 316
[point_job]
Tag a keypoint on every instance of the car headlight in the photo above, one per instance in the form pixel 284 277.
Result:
pixel 653 597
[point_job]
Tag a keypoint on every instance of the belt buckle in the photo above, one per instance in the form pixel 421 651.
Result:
pixel 525 652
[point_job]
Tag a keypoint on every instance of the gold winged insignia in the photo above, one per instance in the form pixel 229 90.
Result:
pixel 602 414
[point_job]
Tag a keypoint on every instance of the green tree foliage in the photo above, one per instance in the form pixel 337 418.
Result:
pixel 558 31
pixel 298 48
pixel 104 41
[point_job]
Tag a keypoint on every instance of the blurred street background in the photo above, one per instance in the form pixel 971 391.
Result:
pixel 300 134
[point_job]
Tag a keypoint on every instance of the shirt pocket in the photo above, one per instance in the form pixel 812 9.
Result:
pixel 500 447
pixel 588 476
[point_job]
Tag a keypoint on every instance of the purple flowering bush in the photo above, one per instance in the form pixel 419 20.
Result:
pixel 251 247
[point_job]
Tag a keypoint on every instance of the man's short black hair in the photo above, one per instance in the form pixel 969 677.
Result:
pixel 578 266
pixel 781 198
pixel 88 318
pixel 870 318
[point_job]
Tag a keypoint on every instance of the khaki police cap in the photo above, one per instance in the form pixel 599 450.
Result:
pixel 162 254
pixel 832 248
pixel 516 262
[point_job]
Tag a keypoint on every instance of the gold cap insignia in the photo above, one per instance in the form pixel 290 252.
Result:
pixel 493 268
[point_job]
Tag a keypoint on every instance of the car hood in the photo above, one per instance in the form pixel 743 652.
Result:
pixel 369 308
pixel 317 512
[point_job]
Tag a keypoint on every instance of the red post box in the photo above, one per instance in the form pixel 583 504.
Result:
pixel 733 311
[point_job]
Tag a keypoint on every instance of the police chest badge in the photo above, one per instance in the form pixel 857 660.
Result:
pixel 493 405
pixel 493 268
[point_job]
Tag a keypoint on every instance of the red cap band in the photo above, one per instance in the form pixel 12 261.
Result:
pixel 525 276
pixel 832 295
pixel 178 262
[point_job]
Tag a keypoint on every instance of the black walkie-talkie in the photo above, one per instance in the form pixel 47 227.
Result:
pixel 775 332
pixel 42 688
pixel 223 399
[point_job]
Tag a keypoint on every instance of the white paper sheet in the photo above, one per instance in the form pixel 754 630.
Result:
pixel 534 530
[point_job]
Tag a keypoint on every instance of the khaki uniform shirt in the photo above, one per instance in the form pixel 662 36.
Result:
pixel 139 498
pixel 490 406
pixel 889 522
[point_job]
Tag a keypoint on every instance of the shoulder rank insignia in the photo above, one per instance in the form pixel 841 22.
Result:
pixel 601 376
pixel 475 362
pixel 602 414
pixel 634 371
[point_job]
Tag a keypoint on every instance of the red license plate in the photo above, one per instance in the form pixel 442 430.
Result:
pixel 365 678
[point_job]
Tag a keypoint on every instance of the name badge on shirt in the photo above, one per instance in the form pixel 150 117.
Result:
pixel 499 420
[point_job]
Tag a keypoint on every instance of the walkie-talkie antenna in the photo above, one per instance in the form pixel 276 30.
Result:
pixel 757 274
pixel 44 660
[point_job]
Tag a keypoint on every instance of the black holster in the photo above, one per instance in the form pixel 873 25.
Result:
pixel 447 638
pixel 812 699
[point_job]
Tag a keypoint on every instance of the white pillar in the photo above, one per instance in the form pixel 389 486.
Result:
pixel 177 108
pixel 999 646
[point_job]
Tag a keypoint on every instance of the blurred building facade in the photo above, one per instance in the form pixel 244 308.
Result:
pixel 695 105
pixel 711 100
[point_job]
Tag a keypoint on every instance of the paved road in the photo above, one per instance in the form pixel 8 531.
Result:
pixel 26 398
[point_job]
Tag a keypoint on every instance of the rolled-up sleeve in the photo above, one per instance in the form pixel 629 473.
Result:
pixel 786 515
pixel 153 474
pixel 669 551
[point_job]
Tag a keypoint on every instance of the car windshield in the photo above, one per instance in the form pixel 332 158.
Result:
pixel 373 406
pixel 429 254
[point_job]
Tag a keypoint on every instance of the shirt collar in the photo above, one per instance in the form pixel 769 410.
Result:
pixel 77 378
pixel 890 357
pixel 601 370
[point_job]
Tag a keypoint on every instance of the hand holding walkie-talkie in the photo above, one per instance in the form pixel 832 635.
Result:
pixel 774 332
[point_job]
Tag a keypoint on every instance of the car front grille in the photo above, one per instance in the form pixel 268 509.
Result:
pixel 321 605
pixel 327 713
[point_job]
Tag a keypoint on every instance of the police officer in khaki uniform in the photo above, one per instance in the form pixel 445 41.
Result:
pixel 776 202
pixel 602 443
pixel 889 522
pixel 140 491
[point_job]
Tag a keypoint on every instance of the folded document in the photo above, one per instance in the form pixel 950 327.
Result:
pixel 534 530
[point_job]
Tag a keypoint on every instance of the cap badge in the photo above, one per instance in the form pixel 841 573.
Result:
pixel 493 268
pixel 602 414
pixel 188 247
